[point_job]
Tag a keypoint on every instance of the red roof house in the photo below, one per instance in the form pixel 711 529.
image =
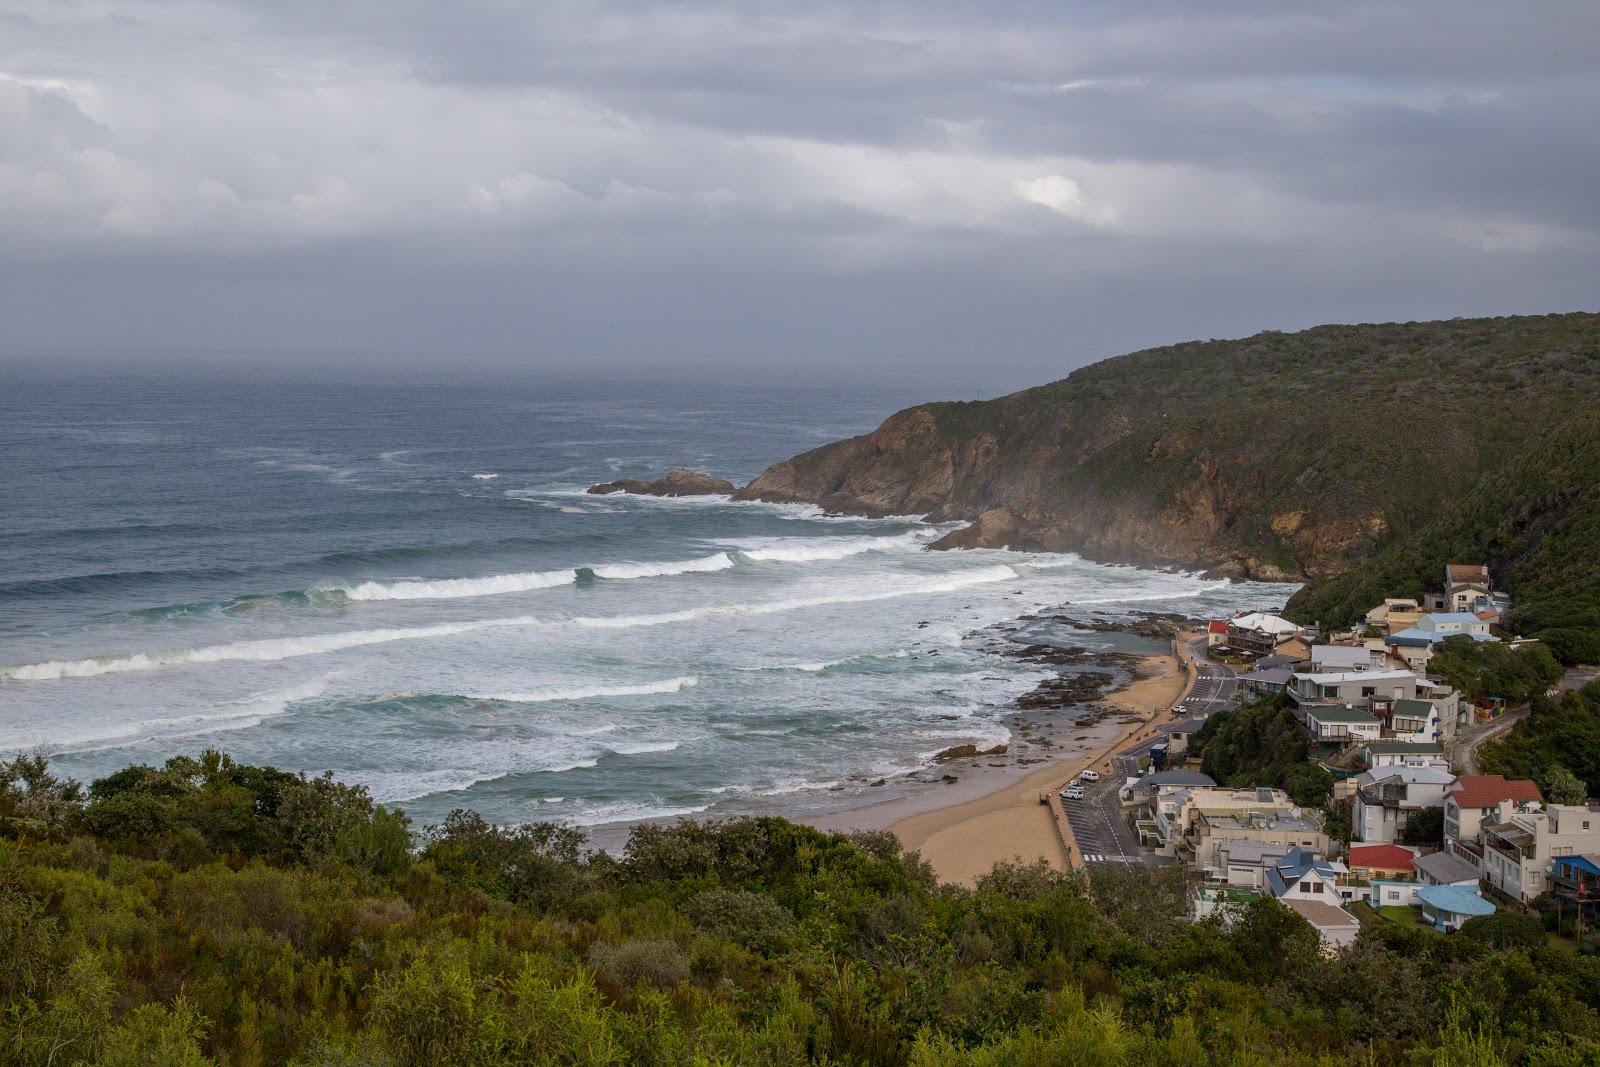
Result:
pixel 1488 790
pixel 1381 858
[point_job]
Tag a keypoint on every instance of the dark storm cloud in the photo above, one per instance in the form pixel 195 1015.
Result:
pixel 767 189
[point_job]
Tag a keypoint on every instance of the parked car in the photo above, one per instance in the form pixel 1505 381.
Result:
pixel 1072 794
pixel 1090 776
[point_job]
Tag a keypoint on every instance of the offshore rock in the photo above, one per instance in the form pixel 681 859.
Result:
pixel 680 481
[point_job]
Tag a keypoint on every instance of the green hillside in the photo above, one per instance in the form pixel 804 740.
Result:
pixel 1278 455
pixel 207 913
pixel 1535 522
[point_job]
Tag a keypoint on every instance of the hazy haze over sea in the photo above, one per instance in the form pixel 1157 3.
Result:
pixel 408 587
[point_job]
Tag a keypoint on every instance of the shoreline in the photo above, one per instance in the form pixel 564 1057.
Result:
pixel 964 832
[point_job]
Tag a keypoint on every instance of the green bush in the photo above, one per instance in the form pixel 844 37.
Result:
pixel 747 941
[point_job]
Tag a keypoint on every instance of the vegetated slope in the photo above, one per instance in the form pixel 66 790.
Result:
pixel 1535 522
pixel 205 912
pixel 1274 456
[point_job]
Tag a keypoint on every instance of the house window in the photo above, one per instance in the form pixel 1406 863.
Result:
pixel 1369 690
pixel 1392 894
pixel 1311 887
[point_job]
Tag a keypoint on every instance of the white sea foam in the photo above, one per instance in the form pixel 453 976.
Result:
pixel 458 588
pixel 522 582
pixel 979 576
pixel 267 649
pixel 791 786
pixel 279 648
pixel 391 787
pixel 631 812
pixel 719 561
pixel 486 476
pixel 818 549
pixel 241 714
pixel 594 692
pixel 642 747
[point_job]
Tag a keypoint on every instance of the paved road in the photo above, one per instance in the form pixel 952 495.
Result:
pixel 1103 834
pixel 1578 677
pixel 1215 686
pixel 1464 748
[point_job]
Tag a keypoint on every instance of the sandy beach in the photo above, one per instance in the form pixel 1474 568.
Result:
pixel 968 832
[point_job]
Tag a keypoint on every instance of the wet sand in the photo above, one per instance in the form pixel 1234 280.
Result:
pixel 994 814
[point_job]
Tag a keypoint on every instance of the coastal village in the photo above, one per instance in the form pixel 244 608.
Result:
pixel 1411 832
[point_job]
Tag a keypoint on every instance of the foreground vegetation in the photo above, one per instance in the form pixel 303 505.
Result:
pixel 206 912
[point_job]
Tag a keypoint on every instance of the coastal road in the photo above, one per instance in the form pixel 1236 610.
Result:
pixel 1463 749
pixel 1215 686
pixel 1100 825
pixel 1101 829
pixel 1103 835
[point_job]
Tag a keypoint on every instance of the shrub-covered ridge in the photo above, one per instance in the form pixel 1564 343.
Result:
pixel 208 912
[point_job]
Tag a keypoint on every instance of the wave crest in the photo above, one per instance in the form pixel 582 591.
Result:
pixel 593 692
pixel 278 648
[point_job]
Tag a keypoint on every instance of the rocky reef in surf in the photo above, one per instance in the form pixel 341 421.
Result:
pixel 680 481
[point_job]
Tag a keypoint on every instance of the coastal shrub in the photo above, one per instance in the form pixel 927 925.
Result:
pixel 659 963
pixel 1506 929
pixel 738 942
pixel 757 922
pixel 1494 669
pixel 1557 745
pixel 1423 827
pixel 1259 743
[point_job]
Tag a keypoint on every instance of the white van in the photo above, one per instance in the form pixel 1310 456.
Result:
pixel 1089 776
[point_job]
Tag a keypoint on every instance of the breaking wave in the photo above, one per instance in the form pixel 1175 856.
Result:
pixel 458 588
pixel 719 561
pixel 593 692
pixel 279 648
pixel 238 714
pixel 813 550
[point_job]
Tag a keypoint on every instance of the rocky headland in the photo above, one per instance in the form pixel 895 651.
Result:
pixel 1254 458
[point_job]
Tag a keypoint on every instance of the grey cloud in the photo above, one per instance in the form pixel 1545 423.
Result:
pixel 752 188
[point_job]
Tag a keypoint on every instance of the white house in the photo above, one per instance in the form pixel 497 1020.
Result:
pixel 1473 799
pixel 1520 840
pixel 1396 752
pixel 1388 796
pixel 1339 725
pixel 1336 658
pixel 1355 687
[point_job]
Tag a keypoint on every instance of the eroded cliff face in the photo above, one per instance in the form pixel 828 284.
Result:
pixel 1279 456
pixel 1023 492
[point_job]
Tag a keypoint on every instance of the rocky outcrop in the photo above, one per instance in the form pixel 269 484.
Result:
pixel 1279 457
pixel 969 752
pixel 680 481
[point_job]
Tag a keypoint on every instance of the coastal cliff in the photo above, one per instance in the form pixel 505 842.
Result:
pixel 1277 456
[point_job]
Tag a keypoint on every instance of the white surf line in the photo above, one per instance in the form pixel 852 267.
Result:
pixel 540 696
pixel 279 648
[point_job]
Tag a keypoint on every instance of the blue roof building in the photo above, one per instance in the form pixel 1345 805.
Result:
pixel 1447 907
pixel 1576 880
pixel 1288 875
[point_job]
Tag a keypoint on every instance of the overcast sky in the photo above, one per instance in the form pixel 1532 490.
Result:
pixel 978 195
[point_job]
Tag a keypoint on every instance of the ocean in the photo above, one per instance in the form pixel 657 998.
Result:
pixel 408 586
